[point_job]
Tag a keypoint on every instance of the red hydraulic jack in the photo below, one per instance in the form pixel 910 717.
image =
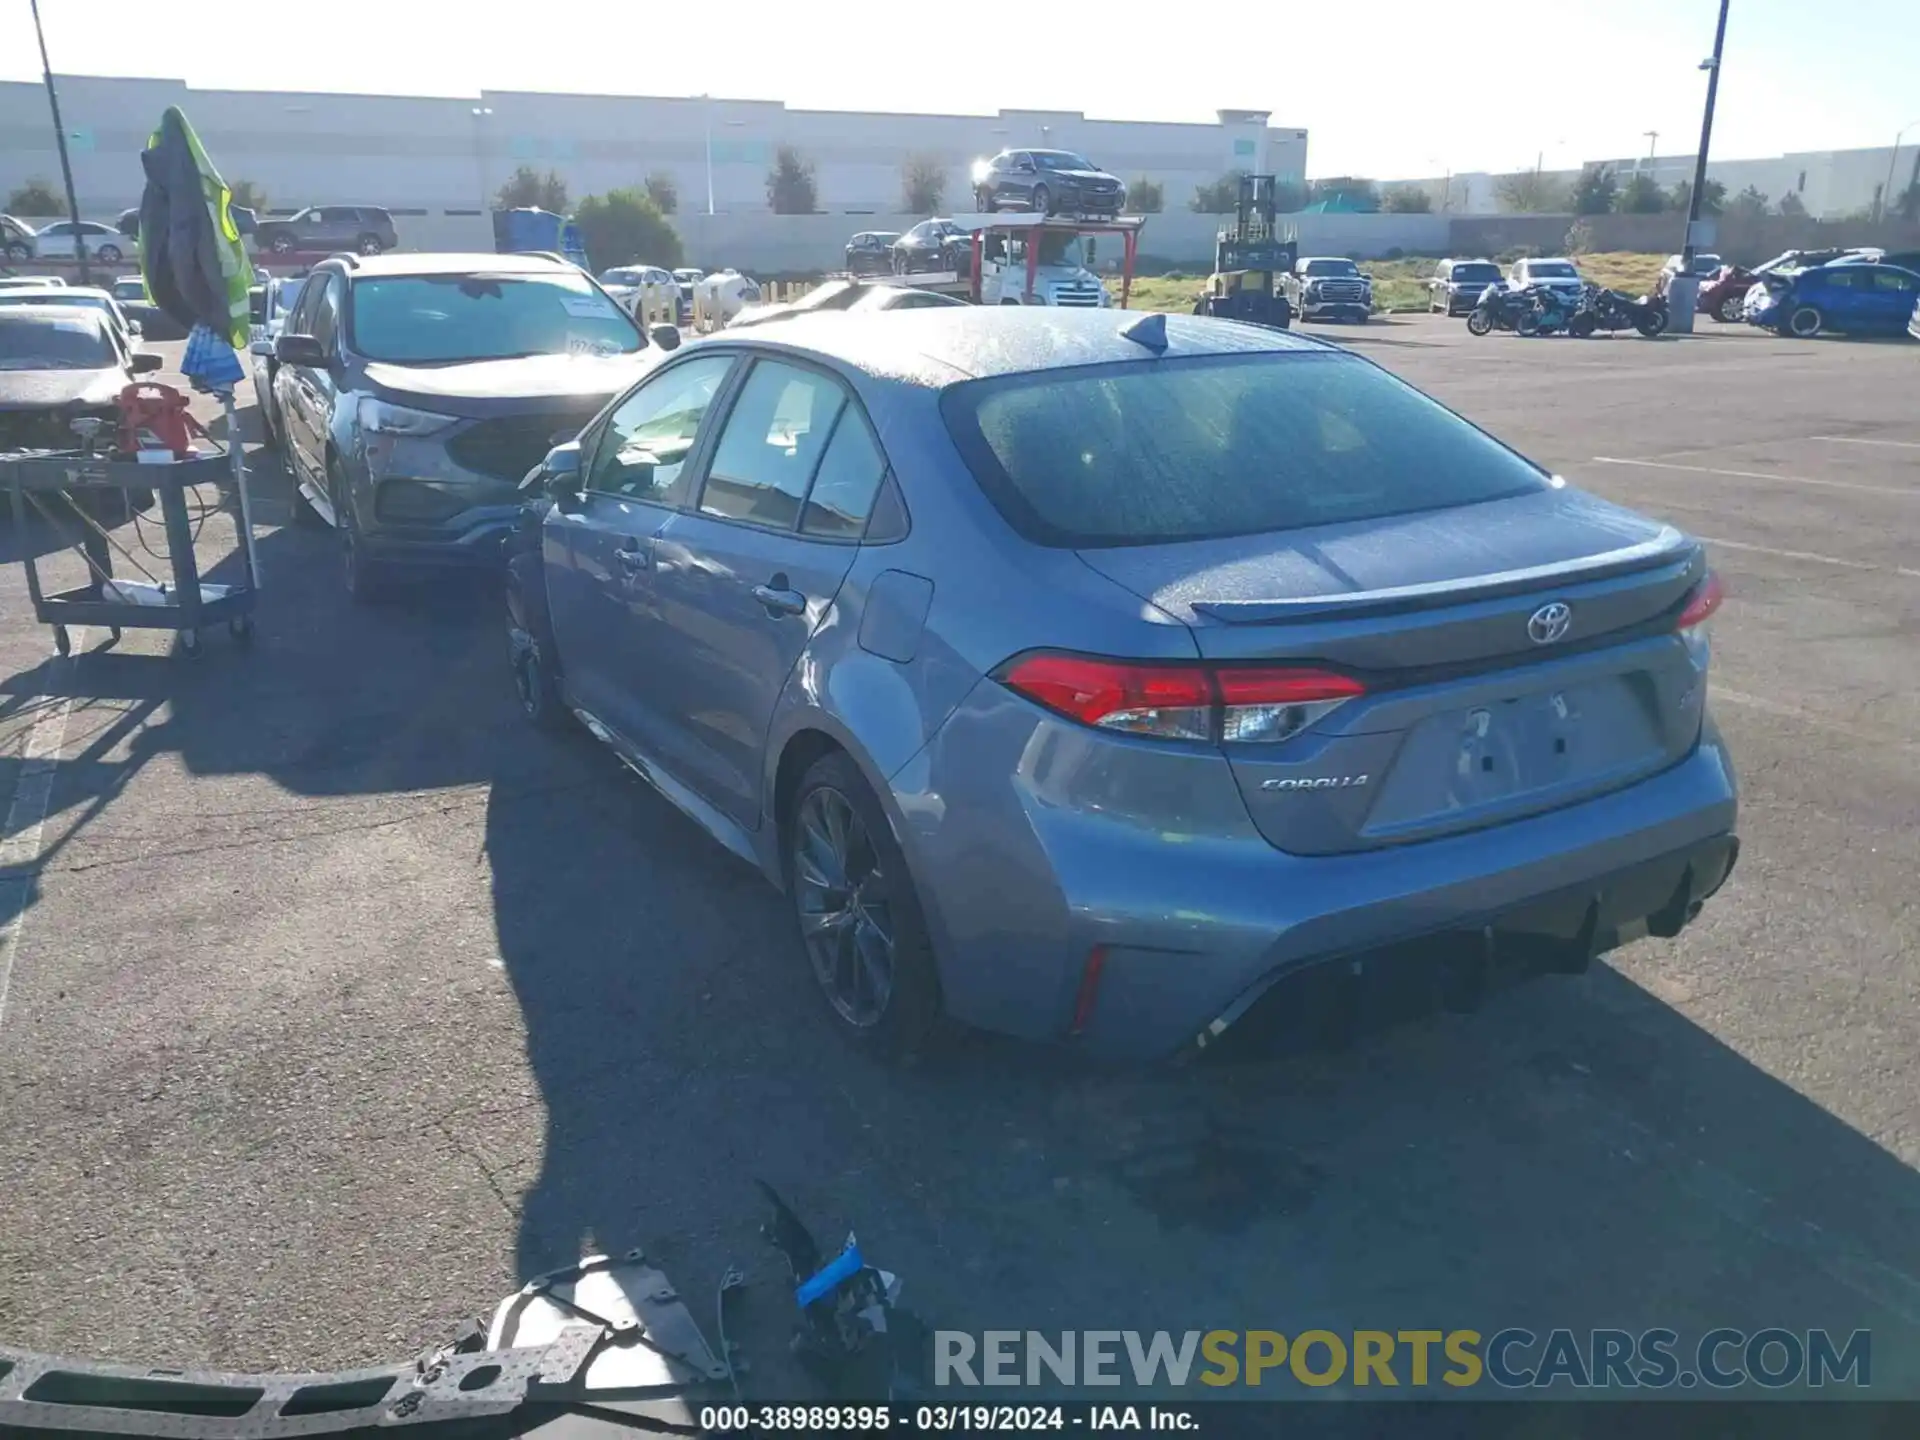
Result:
pixel 150 408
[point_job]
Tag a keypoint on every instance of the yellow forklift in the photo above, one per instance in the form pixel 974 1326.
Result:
pixel 1249 259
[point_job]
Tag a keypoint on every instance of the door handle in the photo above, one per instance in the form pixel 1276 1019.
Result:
pixel 632 559
pixel 779 600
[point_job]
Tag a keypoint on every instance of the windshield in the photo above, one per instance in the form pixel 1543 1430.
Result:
pixel 1332 267
pixel 1144 452
pixel 45 343
pixel 1062 160
pixel 1552 270
pixel 620 277
pixel 447 319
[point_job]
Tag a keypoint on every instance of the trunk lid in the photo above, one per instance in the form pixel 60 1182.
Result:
pixel 1483 704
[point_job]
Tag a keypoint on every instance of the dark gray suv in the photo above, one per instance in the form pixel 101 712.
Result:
pixel 363 229
pixel 415 392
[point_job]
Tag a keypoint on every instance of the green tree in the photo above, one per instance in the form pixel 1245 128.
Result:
pixel 664 191
pixel 1407 200
pixel 34 198
pixel 1146 197
pixel 791 188
pixel 1713 197
pixel 527 186
pixel 249 194
pixel 1640 196
pixel 1219 198
pixel 923 184
pixel 1579 238
pixel 624 227
pixel 1907 206
pixel 1750 201
pixel 1528 192
pixel 1595 191
pixel 1791 204
pixel 1360 193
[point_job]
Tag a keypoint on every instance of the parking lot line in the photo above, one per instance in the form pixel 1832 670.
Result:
pixel 20 839
pixel 1862 440
pixel 1757 475
pixel 1809 555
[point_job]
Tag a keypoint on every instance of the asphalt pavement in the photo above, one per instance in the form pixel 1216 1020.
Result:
pixel 341 1001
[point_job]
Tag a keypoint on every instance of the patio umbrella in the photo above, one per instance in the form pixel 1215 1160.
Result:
pixel 191 254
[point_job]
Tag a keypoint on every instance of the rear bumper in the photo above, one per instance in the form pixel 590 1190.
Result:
pixel 1022 887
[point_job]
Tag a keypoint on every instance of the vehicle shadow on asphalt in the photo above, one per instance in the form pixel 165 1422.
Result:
pixel 1576 1153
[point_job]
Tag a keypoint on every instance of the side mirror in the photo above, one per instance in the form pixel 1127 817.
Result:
pixel 667 337
pixel 299 350
pixel 1366 275
pixel 134 327
pixel 145 362
pixel 262 348
pixel 560 471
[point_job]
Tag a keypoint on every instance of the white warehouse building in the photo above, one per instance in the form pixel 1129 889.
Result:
pixel 422 156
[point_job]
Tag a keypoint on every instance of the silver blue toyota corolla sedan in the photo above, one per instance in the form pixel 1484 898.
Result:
pixel 1080 674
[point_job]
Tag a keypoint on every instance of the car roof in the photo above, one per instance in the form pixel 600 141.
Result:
pixel 943 344
pixel 69 317
pixel 453 263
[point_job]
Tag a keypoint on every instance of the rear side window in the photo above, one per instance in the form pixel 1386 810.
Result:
pixel 1153 451
pixel 1892 280
pixel 775 436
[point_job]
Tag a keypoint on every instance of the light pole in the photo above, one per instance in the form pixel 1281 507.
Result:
pixel 60 139
pixel 1712 66
pixel 707 106
pixel 1886 195
pixel 1653 139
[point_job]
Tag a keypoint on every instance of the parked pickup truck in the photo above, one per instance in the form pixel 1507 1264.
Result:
pixel 1329 287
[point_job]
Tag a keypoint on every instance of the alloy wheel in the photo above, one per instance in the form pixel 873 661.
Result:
pixel 846 921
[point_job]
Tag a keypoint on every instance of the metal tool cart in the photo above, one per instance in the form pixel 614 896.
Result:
pixel 57 486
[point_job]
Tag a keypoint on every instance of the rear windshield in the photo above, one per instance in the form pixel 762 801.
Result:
pixel 1552 269
pixel 40 343
pixel 1487 271
pixel 445 319
pixel 1142 452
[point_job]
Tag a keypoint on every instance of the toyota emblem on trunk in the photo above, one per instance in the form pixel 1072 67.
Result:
pixel 1549 623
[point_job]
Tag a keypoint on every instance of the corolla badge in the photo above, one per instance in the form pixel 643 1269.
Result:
pixel 1550 623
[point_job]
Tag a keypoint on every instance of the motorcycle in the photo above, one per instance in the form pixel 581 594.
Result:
pixel 1610 310
pixel 1536 310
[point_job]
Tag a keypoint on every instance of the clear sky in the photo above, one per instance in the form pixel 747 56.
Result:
pixel 1399 93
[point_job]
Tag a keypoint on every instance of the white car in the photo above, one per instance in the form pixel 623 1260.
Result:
pixel 271 306
pixel 84 297
pixel 647 292
pixel 1555 273
pixel 104 242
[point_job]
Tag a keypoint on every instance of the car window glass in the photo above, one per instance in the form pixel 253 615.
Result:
pixel 326 314
pixel 646 441
pixel 1838 279
pixel 1184 450
pixel 772 441
pixel 846 482
pixel 1891 280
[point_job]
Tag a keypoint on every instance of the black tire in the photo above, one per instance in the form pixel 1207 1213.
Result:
pixel 368 245
pixel 19 252
pixel 1479 322
pixel 895 1016
pixel 1526 323
pixel 1042 200
pixel 1730 310
pixel 531 652
pixel 281 244
pixel 1582 325
pixel 1651 324
pixel 1803 322
pixel 108 254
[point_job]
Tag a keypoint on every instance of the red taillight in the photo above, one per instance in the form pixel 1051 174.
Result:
pixel 1182 702
pixel 1703 603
